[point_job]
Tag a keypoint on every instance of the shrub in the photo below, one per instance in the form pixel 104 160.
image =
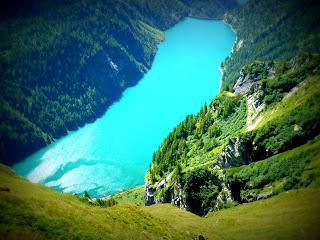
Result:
pixel 201 187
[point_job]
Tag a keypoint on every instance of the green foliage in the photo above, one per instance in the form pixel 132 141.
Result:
pixel 289 74
pixel 200 135
pixel 288 168
pixel 108 202
pixel 271 30
pixel 201 187
pixel 236 118
pixel 210 9
pixel 64 64
pixel 133 195
pixel 86 195
pixel 295 121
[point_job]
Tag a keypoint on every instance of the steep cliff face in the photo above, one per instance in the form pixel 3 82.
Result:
pixel 165 192
pixel 255 105
pixel 235 153
pixel 251 74
pixel 168 190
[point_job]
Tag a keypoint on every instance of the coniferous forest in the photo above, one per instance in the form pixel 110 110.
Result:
pixel 64 62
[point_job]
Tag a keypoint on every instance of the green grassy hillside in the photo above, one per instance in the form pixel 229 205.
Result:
pixel 130 196
pixel 290 215
pixel 31 211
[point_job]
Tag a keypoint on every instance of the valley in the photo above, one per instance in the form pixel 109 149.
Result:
pixel 114 152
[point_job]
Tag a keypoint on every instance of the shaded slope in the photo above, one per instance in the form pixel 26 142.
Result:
pixel 271 30
pixel 63 63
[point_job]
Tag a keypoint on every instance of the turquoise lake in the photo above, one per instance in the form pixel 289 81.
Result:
pixel 115 151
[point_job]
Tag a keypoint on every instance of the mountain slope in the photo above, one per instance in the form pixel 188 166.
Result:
pixel 271 30
pixel 270 107
pixel 63 63
pixel 275 109
pixel 290 215
pixel 31 211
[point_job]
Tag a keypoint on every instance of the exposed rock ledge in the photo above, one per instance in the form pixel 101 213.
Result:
pixel 255 91
pixel 175 194
pixel 249 75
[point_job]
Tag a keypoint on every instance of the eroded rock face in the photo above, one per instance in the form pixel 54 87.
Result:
pixel 224 197
pixel 178 196
pixel 255 91
pixel 149 192
pixel 249 197
pixel 252 74
pixel 252 196
pixel 236 153
pixel 172 194
pixel 244 83
pixel 255 104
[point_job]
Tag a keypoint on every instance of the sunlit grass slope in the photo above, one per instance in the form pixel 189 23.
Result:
pixel 130 196
pixel 31 211
pixel 293 214
pixel 289 215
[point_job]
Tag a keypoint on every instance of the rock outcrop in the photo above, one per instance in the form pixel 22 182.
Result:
pixel 251 74
pixel 163 192
pixel 239 151
pixel 149 191
pixel 236 153
pixel 255 105
pixel 255 91
pixel 178 196
pixel 252 196
pixel 224 196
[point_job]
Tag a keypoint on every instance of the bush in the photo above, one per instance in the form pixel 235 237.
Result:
pixel 202 188
pixel 106 202
pixel 283 172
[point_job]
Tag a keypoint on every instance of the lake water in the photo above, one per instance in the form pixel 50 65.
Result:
pixel 115 151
